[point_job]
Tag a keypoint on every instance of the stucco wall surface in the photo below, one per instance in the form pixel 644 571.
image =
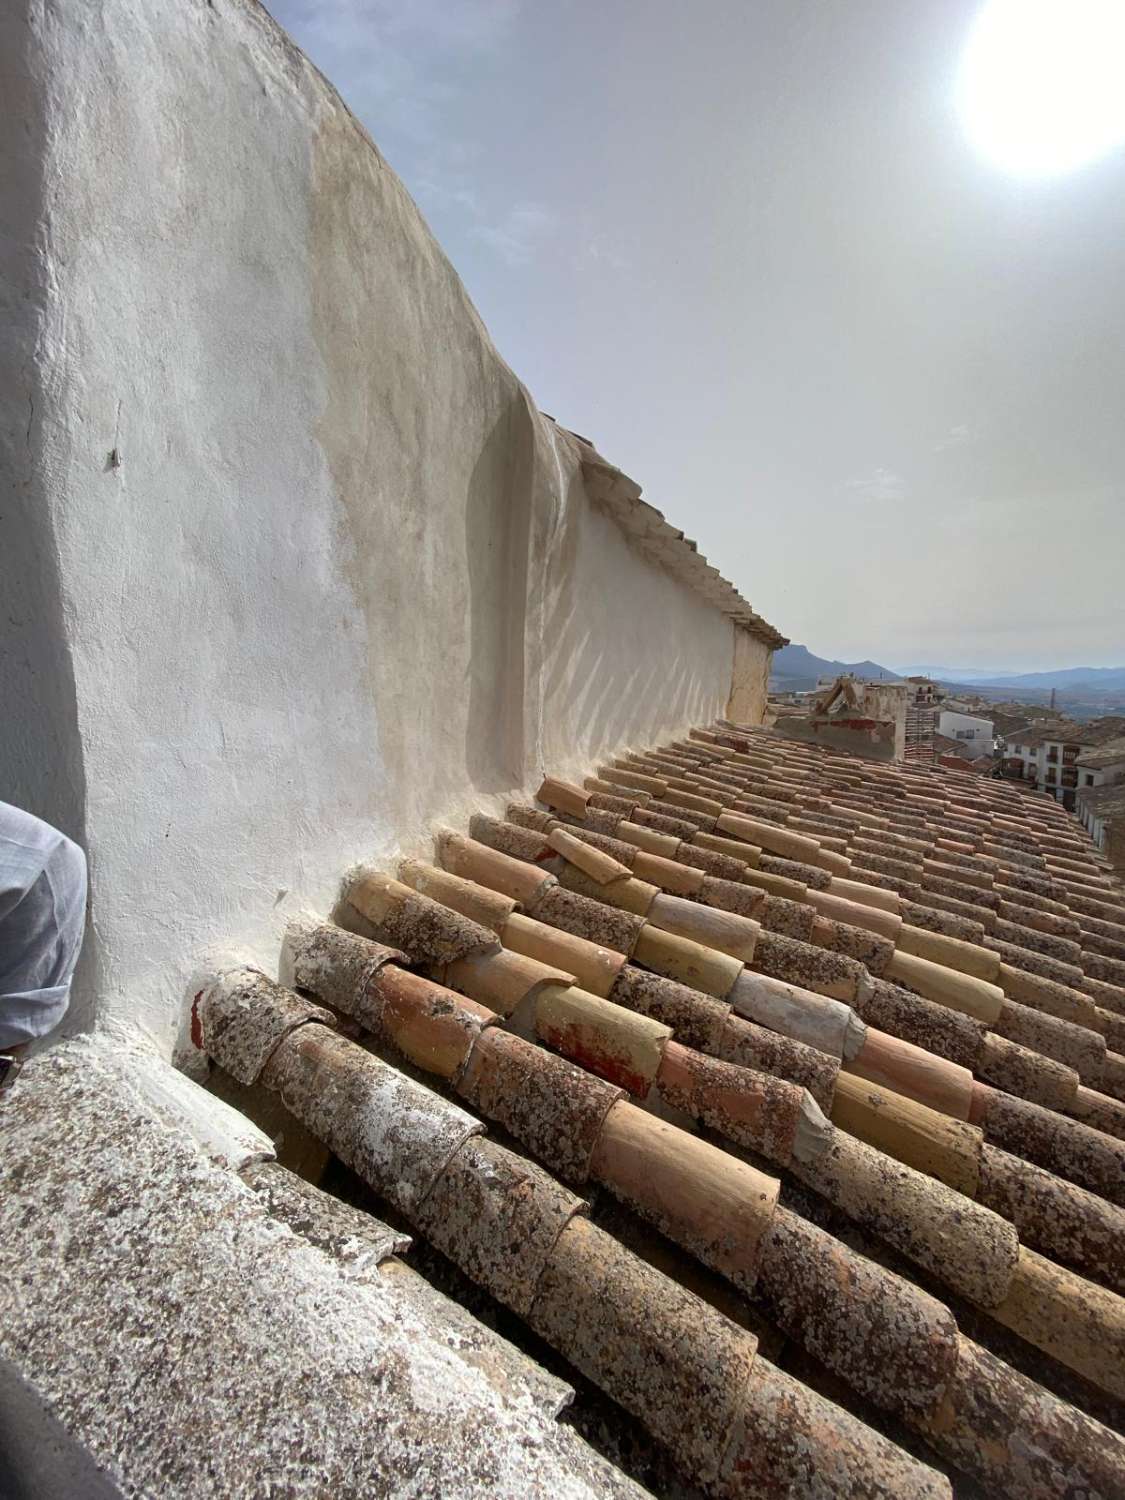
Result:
pixel 308 570
pixel 750 678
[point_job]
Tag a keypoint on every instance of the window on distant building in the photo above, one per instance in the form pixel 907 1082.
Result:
pixel 1051 773
pixel 1089 779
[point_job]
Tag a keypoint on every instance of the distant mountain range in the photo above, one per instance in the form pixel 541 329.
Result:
pixel 795 669
pixel 1066 677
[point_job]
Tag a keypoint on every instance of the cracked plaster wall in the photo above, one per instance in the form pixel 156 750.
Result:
pixel 298 566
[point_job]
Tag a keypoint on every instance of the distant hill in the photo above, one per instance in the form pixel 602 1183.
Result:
pixel 1101 678
pixel 796 669
pixel 1069 677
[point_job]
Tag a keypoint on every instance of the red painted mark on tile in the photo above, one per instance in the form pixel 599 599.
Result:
pixel 570 1041
pixel 196 1023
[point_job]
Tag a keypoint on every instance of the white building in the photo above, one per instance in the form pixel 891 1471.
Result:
pixel 1059 758
pixel 973 733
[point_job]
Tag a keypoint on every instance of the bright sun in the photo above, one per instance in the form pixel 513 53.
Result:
pixel 1042 83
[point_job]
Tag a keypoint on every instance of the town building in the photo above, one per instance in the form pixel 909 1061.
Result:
pixel 972 733
pixel 1047 758
pixel 922 705
pixel 1100 801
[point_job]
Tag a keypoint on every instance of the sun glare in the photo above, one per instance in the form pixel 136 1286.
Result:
pixel 1042 83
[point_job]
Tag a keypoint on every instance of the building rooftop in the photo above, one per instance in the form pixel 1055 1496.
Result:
pixel 1096 732
pixel 1105 801
pixel 775 1095
pixel 1108 753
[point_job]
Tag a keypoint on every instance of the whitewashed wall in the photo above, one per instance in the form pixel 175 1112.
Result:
pixel 299 567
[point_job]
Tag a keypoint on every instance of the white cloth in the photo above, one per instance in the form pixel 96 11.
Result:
pixel 42 914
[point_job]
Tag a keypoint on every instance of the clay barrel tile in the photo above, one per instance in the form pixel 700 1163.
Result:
pixel 725 931
pixel 1073 1046
pixel 428 931
pixel 733 896
pixel 1067 1147
pixel 627 795
pixel 668 874
pixel 812 876
pixel 488 908
pixel 809 1446
pixel 1036 941
pixel 711 862
pixel 604 802
pixel 497 1216
pixel 617 776
pixel 937 919
pixel 1113 1077
pixel 245 1017
pixel 793 891
pixel 749 1108
pixel 649 839
pixel 696 1020
pixel 490 867
pixel 831 974
pixel 751 1046
pixel 887 924
pixel 530 817
pixel 888 1339
pixel 1029 1075
pixel 600 819
pixel 960 992
pixel 1110 996
pixel 563 796
pixel 667 1357
pixel 1017 1438
pixel 746 854
pixel 547 1104
pixel 983 919
pixel 865 895
pixel 334 965
pixel 966 1246
pixel 1063 1220
pixel 804 1015
pixel 835 863
pixel 396 1134
pixel 966 958
pixel 942 1146
pixel 593 862
pixel 616 848
pixel 709 1202
pixel 616 1043
pixel 623 892
pixel 1108 970
pixel 1111 1026
pixel 1069 1318
pixel 687 818
pixel 1036 963
pixel 797 846
pixel 1048 996
pixel 789 918
pixel 593 921
pixel 910 1070
pixel 430 1025
pixel 513 839
pixel 691 801
pixel 937 1029
pixel 592 965
pixel 685 961
pixel 675 827
pixel 867 948
pixel 502 980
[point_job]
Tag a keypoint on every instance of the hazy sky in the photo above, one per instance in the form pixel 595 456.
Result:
pixel 746 248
